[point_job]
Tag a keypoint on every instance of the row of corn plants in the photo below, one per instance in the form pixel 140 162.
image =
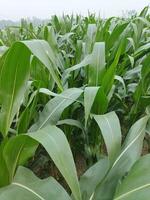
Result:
pixel 76 85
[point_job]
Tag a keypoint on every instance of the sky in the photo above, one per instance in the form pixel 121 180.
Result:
pixel 16 9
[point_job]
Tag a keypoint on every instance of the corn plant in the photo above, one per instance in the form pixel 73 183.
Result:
pixel 115 174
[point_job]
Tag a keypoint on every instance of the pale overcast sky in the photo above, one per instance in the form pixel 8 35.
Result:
pixel 16 9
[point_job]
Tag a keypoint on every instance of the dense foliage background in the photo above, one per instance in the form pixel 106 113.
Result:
pixel 75 91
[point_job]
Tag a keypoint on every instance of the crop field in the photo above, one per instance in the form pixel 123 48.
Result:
pixel 75 109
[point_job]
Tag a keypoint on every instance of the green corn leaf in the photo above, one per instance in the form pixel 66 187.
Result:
pixel 97 66
pixel 55 143
pixel 137 183
pixel 71 122
pixel 89 97
pixel 116 33
pixel 14 75
pixel 91 178
pixel 110 129
pixel 54 108
pixel 44 53
pixel 109 75
pixel 17 150
pixel 4 175
pixel 90 37
pixel 101 102
pixel 129 154
pixel 27 186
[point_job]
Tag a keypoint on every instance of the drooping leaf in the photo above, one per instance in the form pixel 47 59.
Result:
pixel 27 186
pixel 71 122
pixel 86 61
pixel 110 129
pixel 54 108
pixel 44 53
pixel 55 143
